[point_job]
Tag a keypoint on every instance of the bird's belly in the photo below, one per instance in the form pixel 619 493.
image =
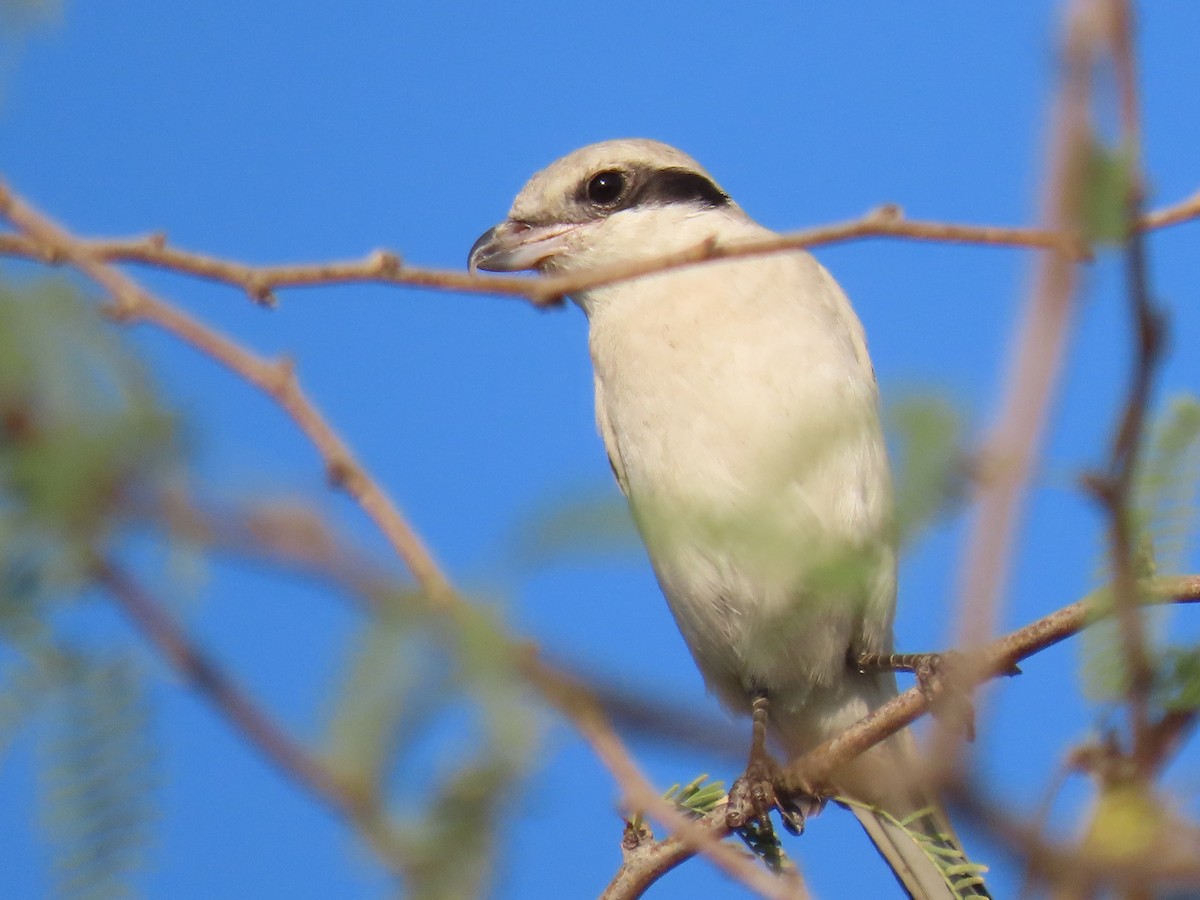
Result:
pixel 760 517
pixel 764 597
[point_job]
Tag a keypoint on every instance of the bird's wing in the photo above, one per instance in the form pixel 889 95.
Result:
pixel 609 435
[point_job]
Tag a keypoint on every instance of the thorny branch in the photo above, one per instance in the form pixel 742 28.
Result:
pixel 811 771
pixel 383 267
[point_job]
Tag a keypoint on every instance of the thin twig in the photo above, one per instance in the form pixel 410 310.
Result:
pixel 385 267
pixel 883 222
pixel 646 863
pixel 1184 211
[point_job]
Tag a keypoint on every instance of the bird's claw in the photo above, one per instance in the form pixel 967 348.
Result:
pixel 791 814
pixel 752 798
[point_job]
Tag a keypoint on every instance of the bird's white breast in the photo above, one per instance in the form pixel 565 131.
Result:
pixel 737 402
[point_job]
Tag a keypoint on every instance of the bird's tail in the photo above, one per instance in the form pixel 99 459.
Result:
pixel 923 853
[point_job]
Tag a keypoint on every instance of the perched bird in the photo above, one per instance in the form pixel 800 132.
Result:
pixel 739 409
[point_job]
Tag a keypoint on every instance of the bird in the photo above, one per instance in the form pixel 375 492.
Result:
pixel 739 408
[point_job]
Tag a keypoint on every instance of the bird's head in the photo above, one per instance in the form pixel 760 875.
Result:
pixel 608 202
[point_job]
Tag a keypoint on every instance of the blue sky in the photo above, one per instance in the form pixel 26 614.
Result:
pixel 331 129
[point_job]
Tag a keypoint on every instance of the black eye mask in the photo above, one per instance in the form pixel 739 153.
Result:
pixel 613 190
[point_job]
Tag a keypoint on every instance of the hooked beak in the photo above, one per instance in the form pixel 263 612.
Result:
pixel 517 246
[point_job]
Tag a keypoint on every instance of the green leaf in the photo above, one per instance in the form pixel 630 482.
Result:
pixel 1104 200
pixel 1178 688
pixel 926 433
pixel 699 796
pixel 82 435
pixel 1164 500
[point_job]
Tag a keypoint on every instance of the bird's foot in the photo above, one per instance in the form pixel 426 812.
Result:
pixel 945 679
pixel 753 797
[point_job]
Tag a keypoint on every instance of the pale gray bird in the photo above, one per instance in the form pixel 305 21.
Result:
pixel 739 408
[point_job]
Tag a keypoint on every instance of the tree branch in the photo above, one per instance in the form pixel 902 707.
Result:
pixel 811 772
pixel 276 378
pixel 384 267
pixel 650 860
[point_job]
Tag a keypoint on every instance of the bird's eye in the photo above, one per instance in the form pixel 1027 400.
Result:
pixel 606 188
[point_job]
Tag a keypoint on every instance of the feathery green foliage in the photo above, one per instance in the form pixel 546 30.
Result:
pixel 588 524
pixel 98 776
pixel 1162 514
pixel 699 796
pixel 926 434
pixel 81 432
pixel 1168 478
pixel 82 440
pixel 25 685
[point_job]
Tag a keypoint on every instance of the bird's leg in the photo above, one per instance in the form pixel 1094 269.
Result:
pixel 753 796
pixel 942 678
